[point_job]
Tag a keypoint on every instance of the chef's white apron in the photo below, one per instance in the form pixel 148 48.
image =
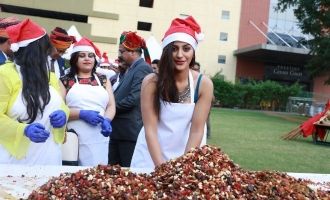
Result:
pixel 47 153
pixel 173 132
pixel 93 146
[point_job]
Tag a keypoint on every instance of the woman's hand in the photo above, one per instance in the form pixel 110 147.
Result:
pixel 92 117
pixel 36 132
pixel 106 127
pixel 57 119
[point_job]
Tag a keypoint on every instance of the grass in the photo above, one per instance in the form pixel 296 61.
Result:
pixel 252 140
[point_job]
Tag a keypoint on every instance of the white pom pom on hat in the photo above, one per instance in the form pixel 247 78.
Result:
pixel 185 30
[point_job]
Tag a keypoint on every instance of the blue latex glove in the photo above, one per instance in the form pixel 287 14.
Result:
pixel 57 118
pixel 36 132
pixel 106 127
pixel 91 117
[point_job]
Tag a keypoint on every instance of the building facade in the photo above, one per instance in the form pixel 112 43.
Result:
pixel 272 47
pixel 219 20
pixel 62 13
pixel 104 20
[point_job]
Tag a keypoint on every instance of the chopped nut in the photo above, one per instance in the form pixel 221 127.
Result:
pixel 202 173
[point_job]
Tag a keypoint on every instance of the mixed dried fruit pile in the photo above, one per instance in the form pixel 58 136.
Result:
pixel 204 173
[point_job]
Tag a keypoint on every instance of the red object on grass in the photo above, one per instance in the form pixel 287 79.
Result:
pixel 308 127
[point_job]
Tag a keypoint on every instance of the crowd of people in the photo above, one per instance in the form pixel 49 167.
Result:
pixel 130 112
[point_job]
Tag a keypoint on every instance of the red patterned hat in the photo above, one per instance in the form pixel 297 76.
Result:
pixel 130 40
pixel 8 21
pixel 4 23
pixel 60 39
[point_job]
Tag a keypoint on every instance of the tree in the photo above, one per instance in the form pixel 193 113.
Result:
pixel 314 19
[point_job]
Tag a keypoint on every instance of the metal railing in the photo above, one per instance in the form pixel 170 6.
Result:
pixel 309 105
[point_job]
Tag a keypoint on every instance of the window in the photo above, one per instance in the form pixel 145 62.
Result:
pixel 223 36
pixel 221 59
pixel 146 3
pixel 144 26
pixel 225 14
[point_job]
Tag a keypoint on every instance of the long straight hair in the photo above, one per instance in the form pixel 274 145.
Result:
pixel 32 60
pixel 166 87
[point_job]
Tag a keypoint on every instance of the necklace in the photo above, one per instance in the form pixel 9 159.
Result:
pixel 184 95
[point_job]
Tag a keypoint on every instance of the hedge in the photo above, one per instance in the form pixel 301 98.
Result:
pixel 266 95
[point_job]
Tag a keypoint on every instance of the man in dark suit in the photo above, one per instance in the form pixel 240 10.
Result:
pixel 128 120
pixel 61 41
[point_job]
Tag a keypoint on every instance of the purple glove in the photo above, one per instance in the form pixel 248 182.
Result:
pixel 91 117
pixel 106 127
pixel 57 119
pixel 36 132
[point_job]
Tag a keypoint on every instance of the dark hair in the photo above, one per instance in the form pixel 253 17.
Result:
pixel 74 68
pixel 165 86
pixel 156 61
pixel 197 63
pixel 32 60
pixel 3 40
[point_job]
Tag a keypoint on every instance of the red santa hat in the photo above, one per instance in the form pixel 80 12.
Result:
pixel 185 30
pixel 84 44
pixel 23 33
pixel 105 60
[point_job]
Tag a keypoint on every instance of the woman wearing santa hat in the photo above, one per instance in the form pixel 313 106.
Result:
pixel 32 111
pixel 175 103
pixel 91 102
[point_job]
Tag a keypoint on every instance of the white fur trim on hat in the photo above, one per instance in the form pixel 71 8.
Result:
pixel 179 36
pixel 83 48
pixel 104 64
pixel 15 46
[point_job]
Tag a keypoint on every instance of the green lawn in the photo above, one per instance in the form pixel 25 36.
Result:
pixel 252 140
